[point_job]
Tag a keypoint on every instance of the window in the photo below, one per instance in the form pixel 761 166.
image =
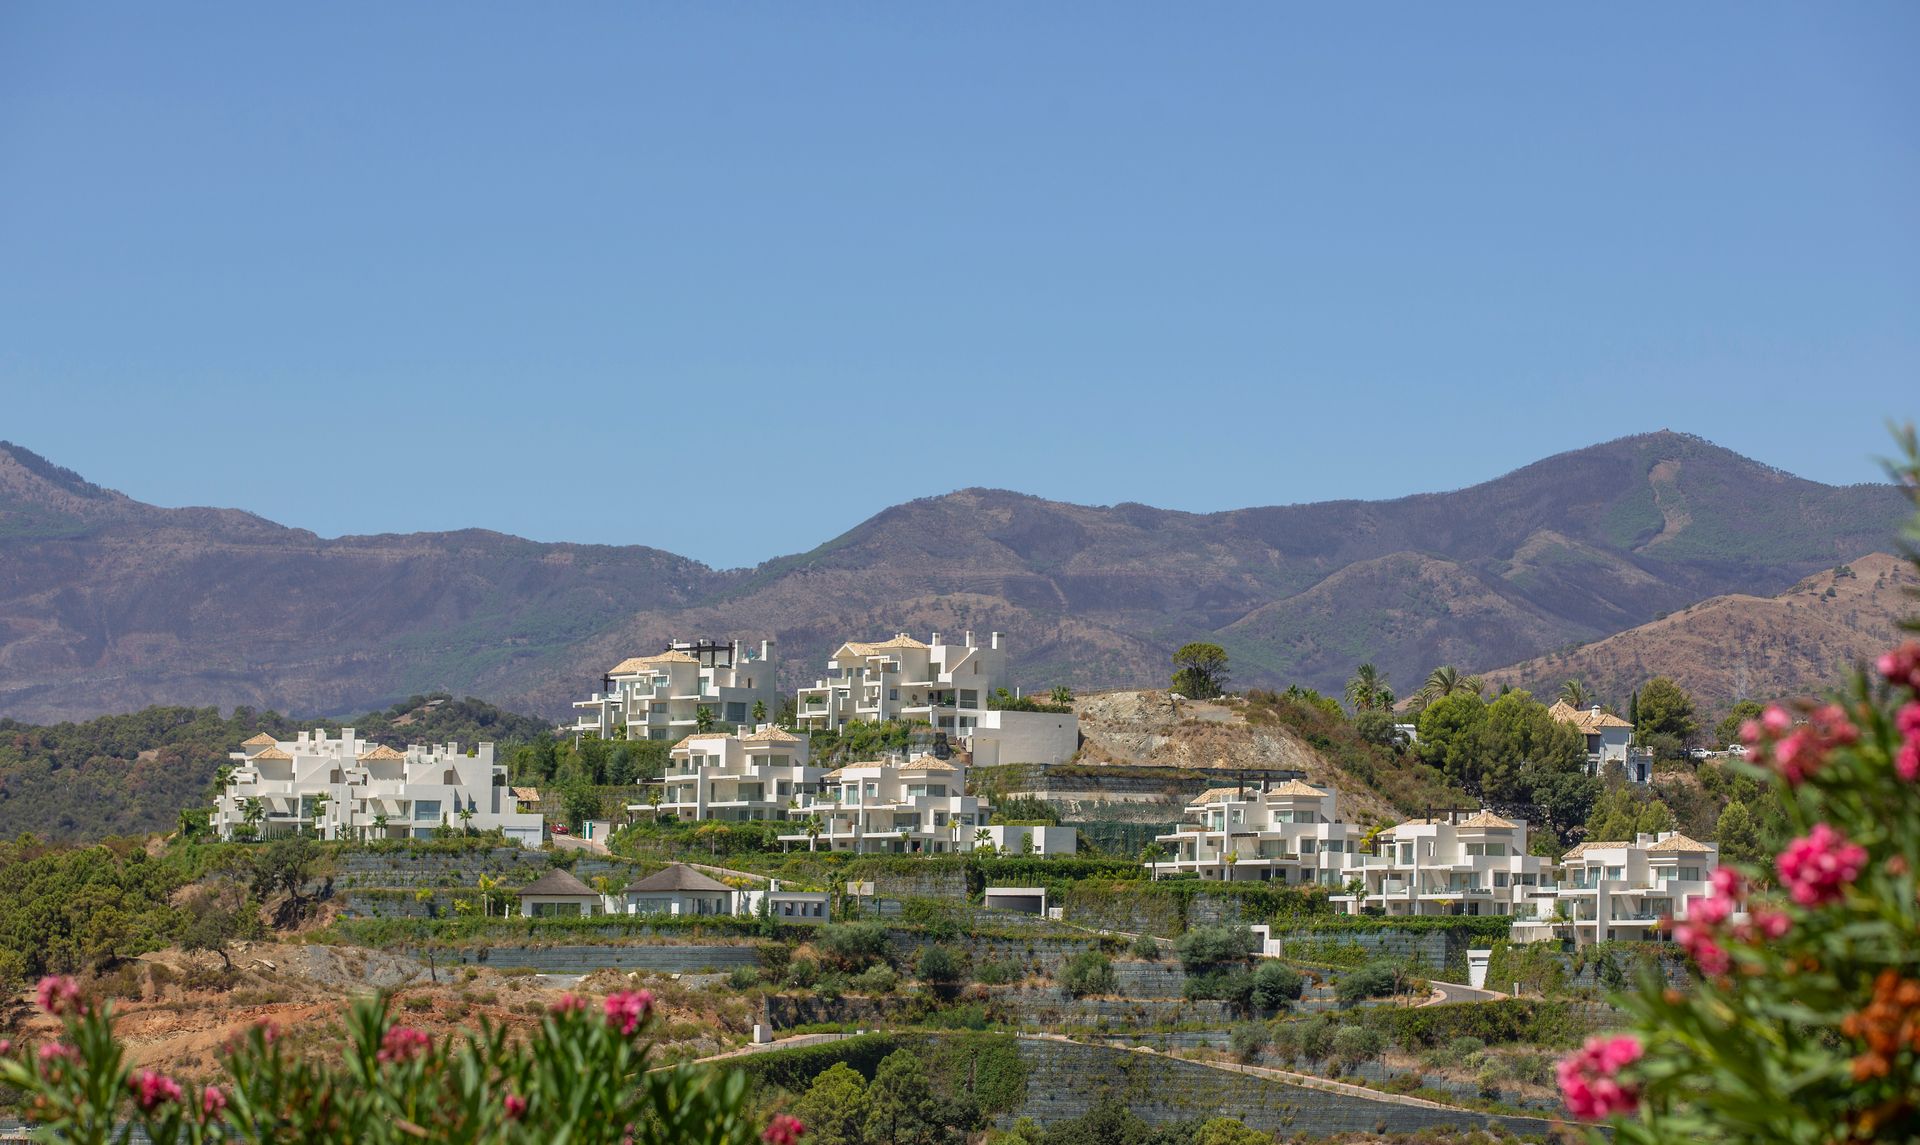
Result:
pixel 1499 878
pixel 737 712
pixel 893 693
pixel 426 810
pixel 969 698
pixel 1616 872
pixel 1497 850
pixel 873 791
pixel 1306 846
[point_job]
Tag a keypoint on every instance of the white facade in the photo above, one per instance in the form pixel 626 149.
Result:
pixel 940 684
pixel 1036 840
pixel 660 696
pixel 920 806
pixel 1292 833
pixel 1609 740
pixel 804 908
pixel 1475 865
pixel 734 777
pixel 347 788
pixel 1622 890
pixel 1022 737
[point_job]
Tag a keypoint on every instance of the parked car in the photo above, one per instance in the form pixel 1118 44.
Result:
pixel 1700 753
pixel 559 828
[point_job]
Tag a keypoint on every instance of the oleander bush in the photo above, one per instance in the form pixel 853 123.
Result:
pixel 1802 1019
pixel 583 1077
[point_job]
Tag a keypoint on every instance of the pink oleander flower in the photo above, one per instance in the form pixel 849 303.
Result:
pixel 1590 1079
pixel 568 1004
pixel 1772 924
pixel 1701 946
pixel 1798 756
pixel 53 1053
pixel 60 995
pixel 1901 666
pixel 403 1044
pixel 1709 910
pixel 1727 883
pixel 783 1130
pixel 1906 761
pixel 212 1102
pixel 152 1090
pixel 1817 867
pixel 6 1047
pixel 516 1107
pixel 626 1009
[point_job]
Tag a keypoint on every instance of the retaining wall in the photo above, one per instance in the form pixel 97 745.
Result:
pixel 586 959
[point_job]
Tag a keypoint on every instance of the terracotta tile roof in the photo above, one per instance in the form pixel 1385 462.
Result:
pixel 1410 823
pixel 1217 794
pixel 928 763
pixel 900 642
pixel 1295 787
pixel 636 664
pixel 678 877
pixel 382 751
pixel 1578 849
pixel 707 735
pixel 526 794
pixel 1486 819
pixel 1677 842
pixel 558 881
pixel 772 733
pixel 261 740
pixel 272 753
pixel 1586 719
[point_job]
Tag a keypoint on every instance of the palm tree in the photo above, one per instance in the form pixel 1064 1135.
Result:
pixel 1573 694
pixel 1444 681
pixel 380 825
pixel 252 811
pixel 813 832
pixel 983 840
pixel 1363 691
pixel 465 815
pixel 1152 853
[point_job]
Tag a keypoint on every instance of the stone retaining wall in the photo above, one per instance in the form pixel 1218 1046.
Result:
pixel 1065 1080
pixel 586 959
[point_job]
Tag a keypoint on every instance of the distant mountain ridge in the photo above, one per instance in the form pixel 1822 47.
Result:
pixel 108 604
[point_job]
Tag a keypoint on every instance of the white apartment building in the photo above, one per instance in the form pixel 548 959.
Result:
pixel 348 788
pixel 944 685
pixel 735 776
pixel 1621 890
pixel 1290 833
pixel 1609 740
pixel 660 696
pixel 1472 865
pixel 917 806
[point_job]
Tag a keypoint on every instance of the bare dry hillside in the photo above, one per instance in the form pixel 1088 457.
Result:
pixel 1745 647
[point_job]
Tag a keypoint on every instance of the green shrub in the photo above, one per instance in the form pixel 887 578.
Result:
pixel 744 977
pixel 995 972
pixel 802 973
pixel 880 979
pixel 1207 946
pixel 852 945
pixel 1145 948
pixel 1355 1044
pixel 1088 972
pixel 1247 1039
pixel 941 964
pixel 1275 984
pixel 1374 980
pixel 1233 985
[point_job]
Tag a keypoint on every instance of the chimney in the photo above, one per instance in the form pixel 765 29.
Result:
pixel 969 637
pixel 936 640
pixel 996 640
pixel 1596 709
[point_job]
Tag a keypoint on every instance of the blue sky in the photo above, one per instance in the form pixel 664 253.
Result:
pixel 727 279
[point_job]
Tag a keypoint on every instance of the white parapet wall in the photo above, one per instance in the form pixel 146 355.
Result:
pixel 1024 737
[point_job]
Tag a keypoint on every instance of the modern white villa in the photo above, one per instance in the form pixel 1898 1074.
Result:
pixel 948 687
pixel 348 788
pixel 917 806
pixel 1470 864
pixel 661 696
pixel 940 684
pixel 1609 740
pixel 1621 890
pixel 1290 833
pixel 735 776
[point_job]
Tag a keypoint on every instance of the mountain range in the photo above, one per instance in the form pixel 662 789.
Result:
pixel 108 604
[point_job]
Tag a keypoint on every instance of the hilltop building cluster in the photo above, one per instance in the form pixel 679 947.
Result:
pixel 913 802
pixel 348 788
pixel 1459 861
